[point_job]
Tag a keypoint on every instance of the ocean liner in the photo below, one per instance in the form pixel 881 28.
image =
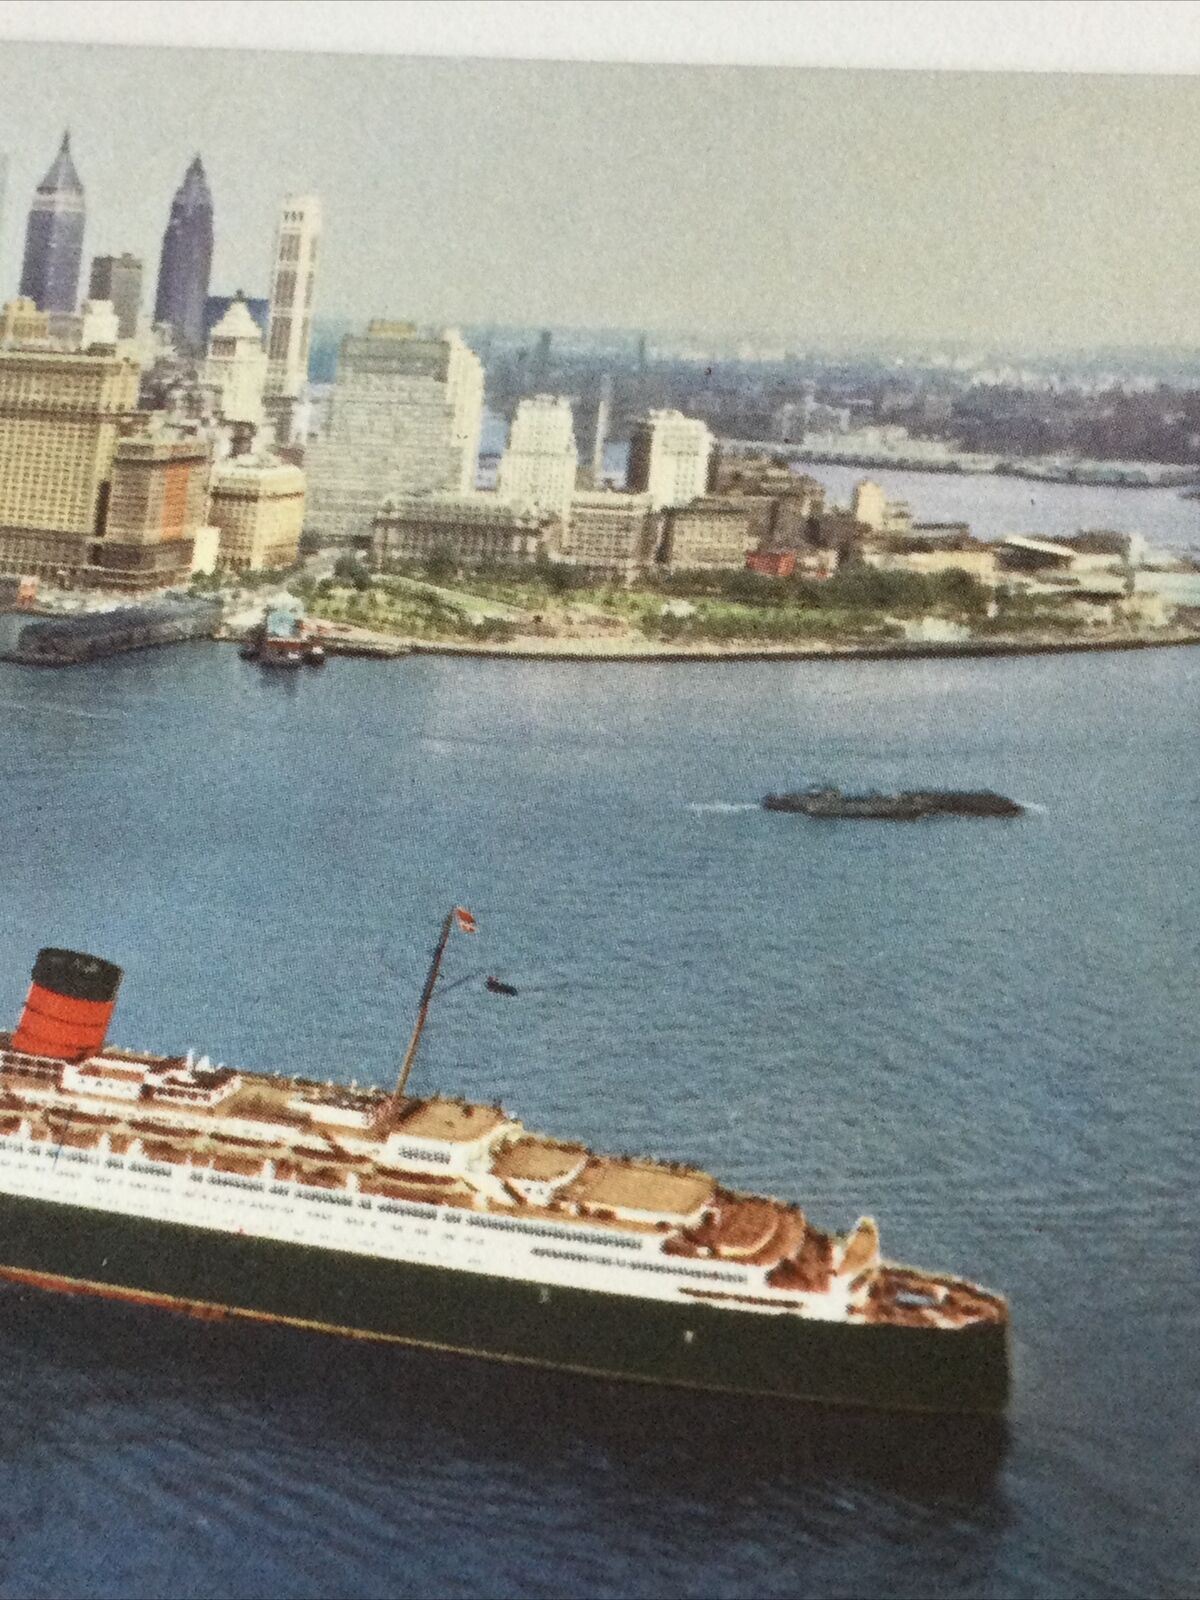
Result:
pixel 429 1221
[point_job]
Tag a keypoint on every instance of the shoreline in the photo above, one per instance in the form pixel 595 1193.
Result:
pixel 556 649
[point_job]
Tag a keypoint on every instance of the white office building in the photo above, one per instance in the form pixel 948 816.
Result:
pixel 669 456
pixel 403 419
pixel 538 469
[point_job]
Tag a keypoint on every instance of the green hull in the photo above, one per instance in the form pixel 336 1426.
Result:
pixel 576 1330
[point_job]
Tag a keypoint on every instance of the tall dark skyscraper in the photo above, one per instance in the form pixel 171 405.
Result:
pixel 54 236
pixel 186 262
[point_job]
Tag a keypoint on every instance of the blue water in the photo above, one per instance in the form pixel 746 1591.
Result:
pixel 985 1034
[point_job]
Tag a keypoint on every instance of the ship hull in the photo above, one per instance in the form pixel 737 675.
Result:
pixel 208 1273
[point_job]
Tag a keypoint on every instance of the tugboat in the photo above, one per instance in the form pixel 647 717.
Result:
pixel 282 639
pixel 282 643
pixel 909 805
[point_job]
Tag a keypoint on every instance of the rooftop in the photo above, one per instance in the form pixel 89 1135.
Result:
pixel 641 1186
pixel 535 1160
pixel 452 1121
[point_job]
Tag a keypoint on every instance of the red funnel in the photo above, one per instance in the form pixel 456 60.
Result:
pixel 68 1006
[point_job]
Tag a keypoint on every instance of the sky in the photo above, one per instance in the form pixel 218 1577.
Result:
pixel 816 208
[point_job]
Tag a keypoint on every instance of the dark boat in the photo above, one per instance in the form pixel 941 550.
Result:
pixel 908 805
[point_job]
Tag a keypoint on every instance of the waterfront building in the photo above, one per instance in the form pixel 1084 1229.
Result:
pixel 874 510
pixel 157 503
pixel 472 529
pixel 669 458
pixel 611 535
pixel 54 236
pixel 713 532
pixel 186 261
pixel 981 562
pixel 404 418
pixel 22 323
pixel 118 279
pixel 61 413
pixel 236 366
pixel 292 278
pixel 538 469
pixel 257 504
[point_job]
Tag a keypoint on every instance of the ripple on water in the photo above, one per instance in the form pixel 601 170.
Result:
pixel 984 1036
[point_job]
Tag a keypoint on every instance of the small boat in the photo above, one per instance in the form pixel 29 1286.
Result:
pixel 281 640
pixel 314 654
pixel 909 805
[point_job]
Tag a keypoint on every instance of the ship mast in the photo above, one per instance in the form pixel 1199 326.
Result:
pixel 410 1055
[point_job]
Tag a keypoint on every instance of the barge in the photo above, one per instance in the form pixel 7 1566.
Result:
pixel 908 805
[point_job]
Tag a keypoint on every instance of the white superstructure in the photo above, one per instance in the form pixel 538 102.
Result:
pixel 437 1181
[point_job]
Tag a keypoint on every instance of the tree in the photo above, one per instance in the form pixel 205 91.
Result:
pixel 441 566
pixel 349 569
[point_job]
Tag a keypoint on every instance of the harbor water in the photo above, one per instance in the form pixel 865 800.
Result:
pixel 983 1033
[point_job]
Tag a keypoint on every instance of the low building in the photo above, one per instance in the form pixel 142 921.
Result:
pixel 872 507
pixel 206 549
pixel 611 535
pixel 471 529
pixel 767 475
pixel 980 563
pixel 772 563
pixel 713 532
pixel 257 503
pixel 945 535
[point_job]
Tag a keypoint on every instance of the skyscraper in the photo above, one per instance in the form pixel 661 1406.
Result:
pixel 404 419
pixel 186 262
pixel 119 279
pixel 538 468
pixel 54 236
pixel 292 276
pixel 668 458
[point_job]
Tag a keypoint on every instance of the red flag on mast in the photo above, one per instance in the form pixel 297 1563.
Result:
pixel 465 920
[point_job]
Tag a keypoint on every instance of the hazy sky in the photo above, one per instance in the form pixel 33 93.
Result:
pixel 823 207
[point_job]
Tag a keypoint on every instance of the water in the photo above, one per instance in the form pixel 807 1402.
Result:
pixel 983 1033
pixel 997 506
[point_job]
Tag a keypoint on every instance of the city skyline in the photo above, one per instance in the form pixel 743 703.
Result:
pixel 828 207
